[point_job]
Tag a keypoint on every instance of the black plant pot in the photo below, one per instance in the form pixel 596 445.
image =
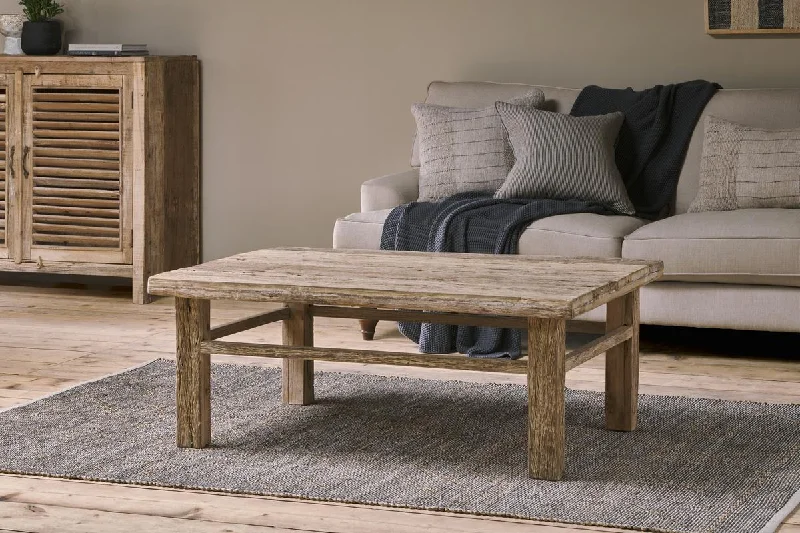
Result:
pixel 41 38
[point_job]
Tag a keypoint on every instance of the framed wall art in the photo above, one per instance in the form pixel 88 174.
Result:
pixel 731 17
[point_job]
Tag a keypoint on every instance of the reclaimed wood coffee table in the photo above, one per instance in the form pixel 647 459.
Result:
pixel 535 293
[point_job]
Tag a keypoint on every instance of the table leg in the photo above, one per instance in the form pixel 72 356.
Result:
pixel 193 323
pixel 546 374
pixel 298 374
pixel 622 365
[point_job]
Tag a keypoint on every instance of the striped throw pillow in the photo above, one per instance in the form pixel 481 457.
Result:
pixel 564 157
pixel 747 168
pixel 463 150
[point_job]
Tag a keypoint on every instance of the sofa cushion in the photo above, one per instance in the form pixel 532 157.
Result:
pixel 578 235
pixel 564 157
pixel 748 246
pixel 464 150
pixel 748 168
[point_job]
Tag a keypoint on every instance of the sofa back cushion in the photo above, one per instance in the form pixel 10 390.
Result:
pixel 758 108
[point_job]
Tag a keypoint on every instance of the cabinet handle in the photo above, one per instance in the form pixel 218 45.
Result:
pixel 11 162
pixel 25 152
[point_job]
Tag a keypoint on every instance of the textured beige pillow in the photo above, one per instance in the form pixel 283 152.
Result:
pixel 464 150
pixel 745 168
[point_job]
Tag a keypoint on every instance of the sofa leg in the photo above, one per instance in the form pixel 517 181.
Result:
pixel 368 329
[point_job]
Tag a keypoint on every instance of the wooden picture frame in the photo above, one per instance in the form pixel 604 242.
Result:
pixel 748 17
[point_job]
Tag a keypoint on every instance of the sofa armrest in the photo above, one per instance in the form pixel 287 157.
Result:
pixel 390 191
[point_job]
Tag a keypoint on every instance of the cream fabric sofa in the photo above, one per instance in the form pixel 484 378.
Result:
pixel 735 269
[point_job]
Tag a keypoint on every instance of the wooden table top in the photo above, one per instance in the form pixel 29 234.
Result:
pixel 504 285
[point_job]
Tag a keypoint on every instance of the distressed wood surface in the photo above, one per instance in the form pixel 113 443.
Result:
pixel 55 173
pixel 6 166
pixel 455 319
pixel 194 373
pixel 65 267
pixel 575 358
pixel 344 355
pixel 166 152
pixel 54 338
pixel 622 365
pixel 546 287
pixel 298 374
pixel 598 346
pixel 20 201
pixel 546 377
pixel 238 326
pixel 89 195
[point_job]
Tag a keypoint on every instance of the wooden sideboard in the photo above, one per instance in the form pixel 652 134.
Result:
pixel 100 166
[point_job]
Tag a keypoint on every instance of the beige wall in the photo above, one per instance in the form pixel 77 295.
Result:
pixel 305 99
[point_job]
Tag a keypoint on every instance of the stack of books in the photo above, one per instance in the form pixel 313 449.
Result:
pixel 114 50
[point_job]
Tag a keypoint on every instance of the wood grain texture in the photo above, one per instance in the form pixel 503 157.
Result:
pixel 622 365
pixel 20 197
pixel 598 346
pixel 150 205
pixel 9 247
pixel 546 380
pixel 167 165
pixel 77 241
pixel 182 187
pixel 298 374
pixel 396 315
pixel 481 284
pixel 126 162
pixel 531 287
pixel 343 355
pixel 145 235
pixel 193 318
pixel 68 268
pixel 119 140
pixel 238 326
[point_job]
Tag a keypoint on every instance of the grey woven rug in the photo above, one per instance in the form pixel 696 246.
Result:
pixel 693 466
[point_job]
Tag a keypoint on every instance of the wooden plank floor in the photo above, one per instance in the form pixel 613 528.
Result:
pixel 55 338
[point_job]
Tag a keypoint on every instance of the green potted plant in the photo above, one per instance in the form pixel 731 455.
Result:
pixel 41 34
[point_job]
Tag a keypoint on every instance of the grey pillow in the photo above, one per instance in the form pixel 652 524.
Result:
pixel 463 150
pixel 563 157
pixel 745 168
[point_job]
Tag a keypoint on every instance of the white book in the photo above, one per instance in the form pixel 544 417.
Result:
pixel 107 47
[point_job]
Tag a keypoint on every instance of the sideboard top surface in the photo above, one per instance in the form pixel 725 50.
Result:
pixel 4 58
pixel 99 65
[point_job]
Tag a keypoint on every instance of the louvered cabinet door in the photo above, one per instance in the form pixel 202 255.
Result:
pixel 75 168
